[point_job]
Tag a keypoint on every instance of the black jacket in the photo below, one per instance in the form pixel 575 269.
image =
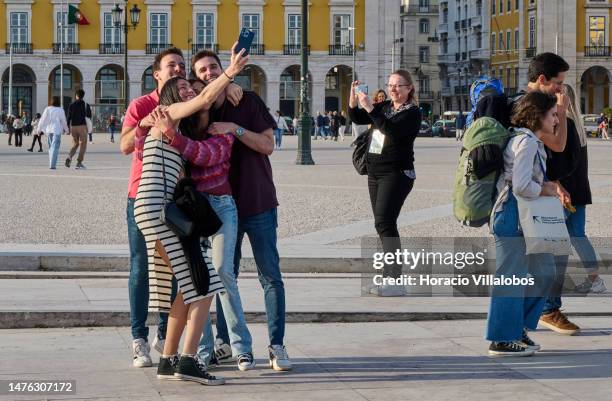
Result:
pixel 77 111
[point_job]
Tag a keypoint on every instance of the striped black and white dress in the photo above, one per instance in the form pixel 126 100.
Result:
pixel 147 211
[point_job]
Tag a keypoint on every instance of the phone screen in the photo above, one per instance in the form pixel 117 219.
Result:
pixel 245 40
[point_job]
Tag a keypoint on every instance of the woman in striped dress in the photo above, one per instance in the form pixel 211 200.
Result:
pixel 166 256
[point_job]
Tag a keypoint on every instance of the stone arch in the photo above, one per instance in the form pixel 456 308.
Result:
pixel 595 89
pixel 253 78
pixel 23 91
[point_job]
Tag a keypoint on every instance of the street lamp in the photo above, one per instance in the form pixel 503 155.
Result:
pixel 134 18
pixel 304 153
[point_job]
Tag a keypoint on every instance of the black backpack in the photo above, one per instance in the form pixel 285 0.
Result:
pixel 360 153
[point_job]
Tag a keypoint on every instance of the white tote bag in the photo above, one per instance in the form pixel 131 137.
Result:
pixel 543 224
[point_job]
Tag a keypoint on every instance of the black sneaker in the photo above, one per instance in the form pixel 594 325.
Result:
pixel 67 163
pixel 167 368
pixel 192 369
pixel 528 342
pixel 509 349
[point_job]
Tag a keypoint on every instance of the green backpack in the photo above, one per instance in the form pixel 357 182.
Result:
pixel 481 162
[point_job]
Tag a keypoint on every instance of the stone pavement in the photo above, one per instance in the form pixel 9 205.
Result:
pixel 443 360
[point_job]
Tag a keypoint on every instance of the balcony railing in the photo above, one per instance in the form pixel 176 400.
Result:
pixel 257 49
pixel 597 51
pixel 340 50
pixel 19 48
pixel 68 48
pixel 196 47
pixel 464 24
pixel 426 95
pixel 457 25
pixel 479 54
pixel 443 27
pixel 111 48
pixel 295 50
pixel 531 52
pixel 419 9
pixel 156 48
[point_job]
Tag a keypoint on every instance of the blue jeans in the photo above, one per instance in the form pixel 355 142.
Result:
pixel 575 223
pixel 278 137
pixel 54 141
pixel 138 283
pixel 223 248
pixel 111 128
pixel 515 307
pixel 261 230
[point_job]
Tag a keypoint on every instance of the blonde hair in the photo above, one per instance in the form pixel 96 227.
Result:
pixel 575 114
pixel 412 96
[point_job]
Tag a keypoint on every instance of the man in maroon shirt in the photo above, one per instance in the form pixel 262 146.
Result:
pixel 255 194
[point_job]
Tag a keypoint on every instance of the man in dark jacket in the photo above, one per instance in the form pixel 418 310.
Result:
pixel 77 112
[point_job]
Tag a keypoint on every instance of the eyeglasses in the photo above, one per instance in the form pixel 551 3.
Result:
pixel 395 86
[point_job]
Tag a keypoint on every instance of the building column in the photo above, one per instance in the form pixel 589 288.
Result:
pixel 42 96
pixel 273 95
pixel 318 97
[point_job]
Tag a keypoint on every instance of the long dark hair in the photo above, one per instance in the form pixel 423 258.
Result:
pixel 169 94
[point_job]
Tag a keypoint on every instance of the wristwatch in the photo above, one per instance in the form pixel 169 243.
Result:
pixel 239 132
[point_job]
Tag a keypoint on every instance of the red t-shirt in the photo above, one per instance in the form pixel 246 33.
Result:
pixel 137 110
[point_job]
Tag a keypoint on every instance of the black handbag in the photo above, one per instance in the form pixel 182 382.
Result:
pixel 171 215
pixel 360 153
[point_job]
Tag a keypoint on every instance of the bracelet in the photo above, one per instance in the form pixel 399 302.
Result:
pixel 228 77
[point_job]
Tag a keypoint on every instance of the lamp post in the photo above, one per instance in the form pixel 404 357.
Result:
pixel 353 49
pixel 134 18
pixel 304 153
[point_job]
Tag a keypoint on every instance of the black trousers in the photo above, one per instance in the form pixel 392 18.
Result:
pixel 388 191
pixel 18 137
pixel 34 139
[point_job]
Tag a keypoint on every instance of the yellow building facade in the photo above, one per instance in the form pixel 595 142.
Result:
pixel 505 42
pixel 93 54
pixel 577 30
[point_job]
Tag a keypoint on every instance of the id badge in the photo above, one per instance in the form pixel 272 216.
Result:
pixel 378 142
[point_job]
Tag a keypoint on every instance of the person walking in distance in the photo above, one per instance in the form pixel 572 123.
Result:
pixel 77 112
pixel 36 134
pixel 281 126
pixel 18 125
pixel 53 124
pixel 112 126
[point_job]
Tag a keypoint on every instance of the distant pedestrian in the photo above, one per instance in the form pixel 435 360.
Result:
pixel 342 130
pixel 295 125
pixel 281 126
pixel 77 112
pixel 112 126
pixel 9 128
pixel 37 134
pixel 390 161
pixel 18 127
pixel 53 123
pixel 319 126
pixel 27 124
pixel 379 96
pixel 603 127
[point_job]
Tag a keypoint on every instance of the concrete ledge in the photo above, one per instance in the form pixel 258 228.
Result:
pixel 28 320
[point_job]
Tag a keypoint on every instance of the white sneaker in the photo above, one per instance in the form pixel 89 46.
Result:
pixel 389 290
pixel 141 353
pixel 597 287
pixel 279 359
pixel 158 344
pixel 223 352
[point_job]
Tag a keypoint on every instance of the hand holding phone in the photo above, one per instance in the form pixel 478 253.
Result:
pixel 361 89
pixel 245 39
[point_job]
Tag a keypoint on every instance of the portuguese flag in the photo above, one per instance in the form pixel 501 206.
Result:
pixel 76 17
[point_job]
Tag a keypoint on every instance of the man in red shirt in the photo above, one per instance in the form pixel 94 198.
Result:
pixel 167 64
